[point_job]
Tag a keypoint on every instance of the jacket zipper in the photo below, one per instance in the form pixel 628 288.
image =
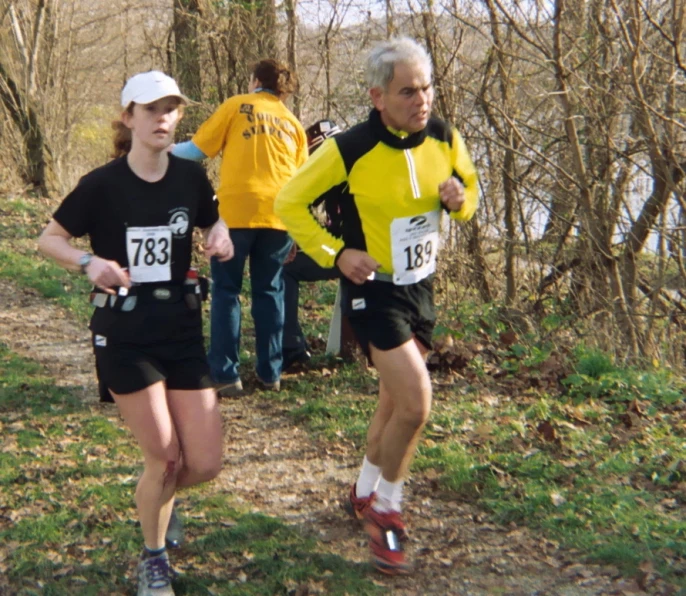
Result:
pixel 412 170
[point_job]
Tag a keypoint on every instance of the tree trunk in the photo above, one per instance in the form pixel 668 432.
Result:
pixel 510 199
pixel 596 248
pixel 430 32
pixel 20 99
pixel 390 27
pixel 479 261
pixel 507 135
pixel 561 215
pixel 186 66
pixel 36 168
pixel 291 57
pixel 265 11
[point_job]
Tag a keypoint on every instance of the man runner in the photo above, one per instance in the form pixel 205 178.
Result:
pixel 402 169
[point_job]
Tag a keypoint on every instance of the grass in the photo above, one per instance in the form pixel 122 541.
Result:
pixel 598 466
pixel 21 222
pixel 607 485
pixel 67 289
pixel 563 441
pixel 67 476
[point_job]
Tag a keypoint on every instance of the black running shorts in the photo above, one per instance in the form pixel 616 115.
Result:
pixel 137 350
pixel 386 316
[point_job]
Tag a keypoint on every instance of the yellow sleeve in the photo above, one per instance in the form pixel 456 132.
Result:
pixel 463 166
pixel 322 171
pixel 302 152
pixel 211 136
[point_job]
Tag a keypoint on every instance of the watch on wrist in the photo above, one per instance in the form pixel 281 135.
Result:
pixel 84 261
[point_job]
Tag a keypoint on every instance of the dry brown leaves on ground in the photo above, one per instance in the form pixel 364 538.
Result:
pixel 278 469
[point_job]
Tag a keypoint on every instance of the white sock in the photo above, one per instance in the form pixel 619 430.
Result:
pixel 368 479
pixel 389 495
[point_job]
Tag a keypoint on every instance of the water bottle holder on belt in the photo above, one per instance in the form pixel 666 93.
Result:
pixel 126 299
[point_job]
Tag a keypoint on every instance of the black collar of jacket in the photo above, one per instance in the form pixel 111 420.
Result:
pixel 388 138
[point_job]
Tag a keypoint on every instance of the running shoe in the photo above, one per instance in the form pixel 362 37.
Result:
pixel 154 576
pixel 386 532
pixel 356 506
pixel 174 535
pixel 232 389
pixel 273 386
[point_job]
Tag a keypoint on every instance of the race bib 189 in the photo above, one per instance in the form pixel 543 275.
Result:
pixel 149 252
pixel 414 242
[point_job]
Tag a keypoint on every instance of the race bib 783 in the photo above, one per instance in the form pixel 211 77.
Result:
pixel 149 253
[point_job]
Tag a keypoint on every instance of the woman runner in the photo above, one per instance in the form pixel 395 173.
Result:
pixel 139 212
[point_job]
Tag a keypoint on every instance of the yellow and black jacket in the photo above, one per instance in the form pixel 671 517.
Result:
pixel 380 176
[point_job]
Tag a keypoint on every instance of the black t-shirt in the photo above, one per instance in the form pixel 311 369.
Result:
pixel 112 198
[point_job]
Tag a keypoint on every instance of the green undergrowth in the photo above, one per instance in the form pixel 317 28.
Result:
pixel 590 454
pixel 530 425
pixel 67 289
pixel 21 222
pixel 67 477
pixel 592 476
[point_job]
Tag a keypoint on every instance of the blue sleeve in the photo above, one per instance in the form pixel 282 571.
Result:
pixel 188 150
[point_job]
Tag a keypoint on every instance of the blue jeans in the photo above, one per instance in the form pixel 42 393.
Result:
pixel 266 248
pixel 302 268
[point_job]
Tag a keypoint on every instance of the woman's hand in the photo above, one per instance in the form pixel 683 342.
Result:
pixel 107 275
pixel 54 242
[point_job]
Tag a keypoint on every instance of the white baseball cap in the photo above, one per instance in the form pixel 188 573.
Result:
pixel 147 87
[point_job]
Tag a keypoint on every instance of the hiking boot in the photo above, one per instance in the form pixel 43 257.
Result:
pixel 231 389
pixel 154 576
pixel 295 359
pixel 356 506
pixel 174 536
pixel 386 533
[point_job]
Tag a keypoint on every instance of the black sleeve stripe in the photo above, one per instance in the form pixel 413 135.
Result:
pixel 354 143
pixel 329 197
pixel 332 200
pixel 458 177
pixel 351 223
pixel 440 130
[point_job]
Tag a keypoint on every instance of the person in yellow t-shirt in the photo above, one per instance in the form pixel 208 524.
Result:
pixel 262 144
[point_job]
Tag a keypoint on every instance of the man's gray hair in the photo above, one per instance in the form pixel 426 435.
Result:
pixel 383 57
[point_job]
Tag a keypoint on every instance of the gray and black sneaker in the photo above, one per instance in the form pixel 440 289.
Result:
pixel 154 576
pixel 174 535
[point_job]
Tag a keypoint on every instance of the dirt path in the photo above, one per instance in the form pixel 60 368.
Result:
pixel 277 469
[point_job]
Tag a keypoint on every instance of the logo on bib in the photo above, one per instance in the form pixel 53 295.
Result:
pixel 418 220
pixel 178 222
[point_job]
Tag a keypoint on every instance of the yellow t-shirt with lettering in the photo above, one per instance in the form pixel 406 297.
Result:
pixel 262 145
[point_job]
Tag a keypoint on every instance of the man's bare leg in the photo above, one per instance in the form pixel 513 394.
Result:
pixel 404 407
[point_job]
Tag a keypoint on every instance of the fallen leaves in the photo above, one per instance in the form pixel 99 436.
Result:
pixel 557 499
pixel 267 451
pixel 547 430
pixel 449 354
